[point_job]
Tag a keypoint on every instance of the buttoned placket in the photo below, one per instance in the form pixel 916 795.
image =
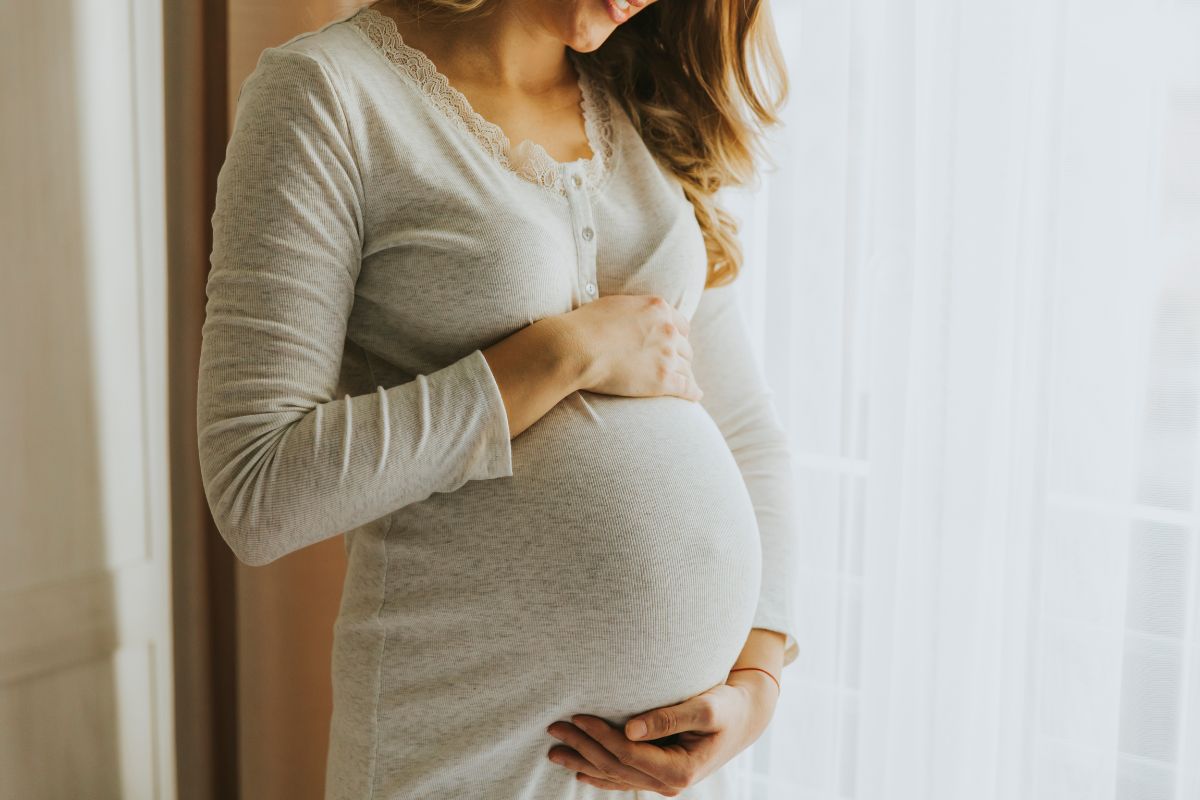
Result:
pixel 583 231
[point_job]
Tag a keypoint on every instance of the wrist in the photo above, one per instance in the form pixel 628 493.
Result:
pixel 755 679
pixel 571 350
pixel 764 650
pixel 762 696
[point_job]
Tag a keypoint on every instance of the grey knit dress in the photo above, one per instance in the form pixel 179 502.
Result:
pixel 372 234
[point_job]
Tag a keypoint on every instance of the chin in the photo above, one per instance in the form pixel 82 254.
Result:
pixel 588 33
pixel 588 25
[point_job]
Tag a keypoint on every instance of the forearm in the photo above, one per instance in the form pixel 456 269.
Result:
pixel 763 649
pixel 535 368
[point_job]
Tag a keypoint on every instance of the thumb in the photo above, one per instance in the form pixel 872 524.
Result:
pixel 693 714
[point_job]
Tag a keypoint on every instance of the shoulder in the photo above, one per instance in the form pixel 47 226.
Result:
pixel 321 62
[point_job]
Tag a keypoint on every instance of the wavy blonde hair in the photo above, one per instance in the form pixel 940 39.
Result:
pixel 696 78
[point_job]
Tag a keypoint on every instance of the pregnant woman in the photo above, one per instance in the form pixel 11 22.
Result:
pixel 516 377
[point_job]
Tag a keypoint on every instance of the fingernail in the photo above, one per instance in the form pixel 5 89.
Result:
pixel 637 729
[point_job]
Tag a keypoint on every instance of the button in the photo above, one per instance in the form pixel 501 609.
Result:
pixel 590 288
pixel 577 180
pixel 588 233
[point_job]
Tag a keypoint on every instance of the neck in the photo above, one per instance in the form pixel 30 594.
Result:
pixel 509 49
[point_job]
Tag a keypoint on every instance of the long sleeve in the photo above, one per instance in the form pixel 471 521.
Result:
pixel 284 462
pixel 739 400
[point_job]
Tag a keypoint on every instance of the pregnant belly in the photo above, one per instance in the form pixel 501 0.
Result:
pixel 617 570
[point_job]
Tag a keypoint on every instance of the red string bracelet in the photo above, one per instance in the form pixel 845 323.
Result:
pixel 763 671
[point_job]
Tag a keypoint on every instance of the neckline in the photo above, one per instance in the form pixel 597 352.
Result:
pixel 528 160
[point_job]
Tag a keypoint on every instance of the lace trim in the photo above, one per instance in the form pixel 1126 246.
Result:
pixel 528 159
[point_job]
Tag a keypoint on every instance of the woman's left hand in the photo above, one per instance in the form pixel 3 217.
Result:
pixel 682 745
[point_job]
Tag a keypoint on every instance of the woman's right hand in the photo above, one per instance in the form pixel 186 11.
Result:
pixel 634 346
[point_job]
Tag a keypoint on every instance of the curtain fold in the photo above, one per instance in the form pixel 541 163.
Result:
pixel 974 273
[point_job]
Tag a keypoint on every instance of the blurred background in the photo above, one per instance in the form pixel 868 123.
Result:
pixel 974 266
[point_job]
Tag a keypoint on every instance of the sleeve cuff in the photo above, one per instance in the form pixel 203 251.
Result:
pixel 495 458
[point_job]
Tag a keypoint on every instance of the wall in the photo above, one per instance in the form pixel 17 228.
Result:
pixel 85 639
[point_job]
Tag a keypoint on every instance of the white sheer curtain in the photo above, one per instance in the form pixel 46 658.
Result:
pixel 975 276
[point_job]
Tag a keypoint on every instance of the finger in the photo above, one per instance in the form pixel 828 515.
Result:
pixel 686 387
pixel 666 766
pixel 683 346
pixel 600 782
pixel 694 714
pixel 566 757
pixel 681 321
pixel 606 765
pixel 626 776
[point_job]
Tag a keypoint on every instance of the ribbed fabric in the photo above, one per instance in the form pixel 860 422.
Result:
pixel 368 245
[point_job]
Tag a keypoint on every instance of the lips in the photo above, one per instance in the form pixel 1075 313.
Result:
pixel 621 10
